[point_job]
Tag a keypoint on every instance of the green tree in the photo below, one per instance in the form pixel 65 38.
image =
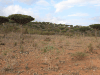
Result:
pixel 76 26
pixel 61 28
pixel 96 27
pixel 3 19
pixel 12 21
pixel 71 26
pixel 84 29
pixel 21 19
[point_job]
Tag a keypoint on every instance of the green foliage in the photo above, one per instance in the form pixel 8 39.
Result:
pixel 35 26
pixel 56 30
pixel 76 29
pixel 95 26
pixel 72 31
pixel 43 23
pixel 35 22
pixel 83 29
pixel 67 29
pixel 47 48
pixel 3 19
pixel 21 19
pixel 71 26
pixel 8 29
pixel 49 30
pixel 76 26
pixel 61 28
pixel 63 31
pixel 68 34
pixel 12 21
pixel 47 22
pixel 42 26
pixel 47 33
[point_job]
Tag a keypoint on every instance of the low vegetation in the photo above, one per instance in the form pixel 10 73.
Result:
pixel 43 48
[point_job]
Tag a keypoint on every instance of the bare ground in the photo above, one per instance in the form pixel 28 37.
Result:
pixel 49 55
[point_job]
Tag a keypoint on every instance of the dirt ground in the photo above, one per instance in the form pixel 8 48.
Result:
pixel 49 55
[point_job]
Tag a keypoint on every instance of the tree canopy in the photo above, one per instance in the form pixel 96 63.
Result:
pixel 83 29
pixel 21 19
pixel 95 26
pixel 3 19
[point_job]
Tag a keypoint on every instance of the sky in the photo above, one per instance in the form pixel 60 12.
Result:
pixel 69 12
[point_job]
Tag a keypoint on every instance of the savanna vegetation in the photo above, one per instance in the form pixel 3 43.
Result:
pixel 45 48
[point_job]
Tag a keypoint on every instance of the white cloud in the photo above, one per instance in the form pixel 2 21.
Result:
pixel 42 2
pixel 18 10
pixel 79 14
pixel 66 4
pixel 50 18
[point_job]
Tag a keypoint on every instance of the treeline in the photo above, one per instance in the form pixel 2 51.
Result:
pixel 21 23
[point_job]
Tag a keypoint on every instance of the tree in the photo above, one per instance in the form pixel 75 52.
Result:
pixel 71 26
pixel 12 21
pixel 84 29
pixel 3 19
pixel 21 19
pixel 76 26
pixel 96 27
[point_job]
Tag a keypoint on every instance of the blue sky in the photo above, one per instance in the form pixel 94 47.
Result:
pixel 71 12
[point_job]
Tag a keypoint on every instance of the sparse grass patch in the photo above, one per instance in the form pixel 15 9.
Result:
pixel 58 52
pixel 15 44
pixel 47 48
pixel 98 46
pixel 35 44
pixel 47 39
pixel 79 55
pixel 22 49
pixel 45 43
pixel 67 43
pixel 8 69
pixel 57 57
pixel 4 52
pixel 90 47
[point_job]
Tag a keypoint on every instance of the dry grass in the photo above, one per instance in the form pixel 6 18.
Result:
pixel 49 55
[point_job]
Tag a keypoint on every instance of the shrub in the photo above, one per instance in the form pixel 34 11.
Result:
pixel 90 48
pixel 79 55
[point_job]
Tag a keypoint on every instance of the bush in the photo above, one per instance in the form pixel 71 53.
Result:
pixel 63 31
pixel 61 28
pixel 47 33
pixel 79 55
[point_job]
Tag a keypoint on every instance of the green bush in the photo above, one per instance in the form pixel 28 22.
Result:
pixel 63 31
pixel 61 28
pixel 56 30
pixel 47 33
